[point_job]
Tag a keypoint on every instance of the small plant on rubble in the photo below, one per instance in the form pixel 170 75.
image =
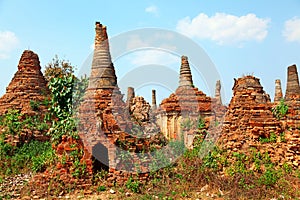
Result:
pixel 133 185
pixel 271 139
pixel 280 110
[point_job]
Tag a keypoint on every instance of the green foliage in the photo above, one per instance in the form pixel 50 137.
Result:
pixel 34 155
pixel 34 105
pixel 280 110
pixel 269 177
pixel 66 94
pixel 201 123
pixel 271 139
pixel 159 160
pixel 187 123
pixel 211 160
pixel 61 95
pixel 12 121
pixel 240 164
pixel 101 188
pixel 282 137
pixel 66 126
pixel 177 146
pixel 58 68
pixel 133 185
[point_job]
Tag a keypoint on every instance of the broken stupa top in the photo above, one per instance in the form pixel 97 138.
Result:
pixel 27 85
pixel 103 74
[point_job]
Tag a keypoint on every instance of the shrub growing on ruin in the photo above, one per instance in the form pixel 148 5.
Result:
pixel 280 110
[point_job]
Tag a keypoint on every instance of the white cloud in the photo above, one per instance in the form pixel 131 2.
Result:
pixel 153 56
pixel 291 30
pixel 152 9
pixel 8 42
pixel 225 28
pixel 136 42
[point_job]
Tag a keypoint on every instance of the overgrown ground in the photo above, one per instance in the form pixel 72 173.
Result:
pixel 216 175
pixel 195 174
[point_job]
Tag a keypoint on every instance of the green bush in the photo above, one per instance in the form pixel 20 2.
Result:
pixel 133 185
pixel 280 110
pixel 101 188
pixel 271 139
pixel 269 177
pixel 12 122
pixel 66 93
pixel 34 155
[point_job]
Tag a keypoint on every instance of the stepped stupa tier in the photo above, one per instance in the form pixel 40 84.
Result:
pixel 185 78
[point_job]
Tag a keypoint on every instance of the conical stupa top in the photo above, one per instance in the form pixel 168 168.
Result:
pixel 185 77
pixel 103 74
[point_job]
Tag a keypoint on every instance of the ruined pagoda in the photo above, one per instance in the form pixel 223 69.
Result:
pixel 186 102
pixel 103 72
pixel 27 87
pixel 97 123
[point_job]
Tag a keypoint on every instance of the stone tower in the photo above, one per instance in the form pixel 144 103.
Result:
pixel 28 85
pixel 154 106
pixel 103 73
pixel 185 77
pixel 292 85
pixel 278 91
pixel 218 92
pixel 130 95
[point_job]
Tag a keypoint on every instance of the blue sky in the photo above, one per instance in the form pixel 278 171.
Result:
pixel 240 37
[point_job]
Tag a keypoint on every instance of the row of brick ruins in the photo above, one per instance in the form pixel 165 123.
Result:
pixel 110 125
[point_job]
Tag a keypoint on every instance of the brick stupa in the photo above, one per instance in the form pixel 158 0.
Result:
pixel 105 121
pixel 249 116
pixel 186 102
pixel 28 86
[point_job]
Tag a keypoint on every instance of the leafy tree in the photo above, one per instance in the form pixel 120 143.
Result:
pixel 66 94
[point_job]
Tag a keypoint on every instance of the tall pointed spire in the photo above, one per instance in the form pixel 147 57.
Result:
pixel 103 74
pixel 185 77
pixel 278 91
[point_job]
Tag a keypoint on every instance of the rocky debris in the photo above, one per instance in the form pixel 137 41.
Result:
pixel 140 109
pixel 28 86
pixel 278 91
pixel 12 186
pixel 66 171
